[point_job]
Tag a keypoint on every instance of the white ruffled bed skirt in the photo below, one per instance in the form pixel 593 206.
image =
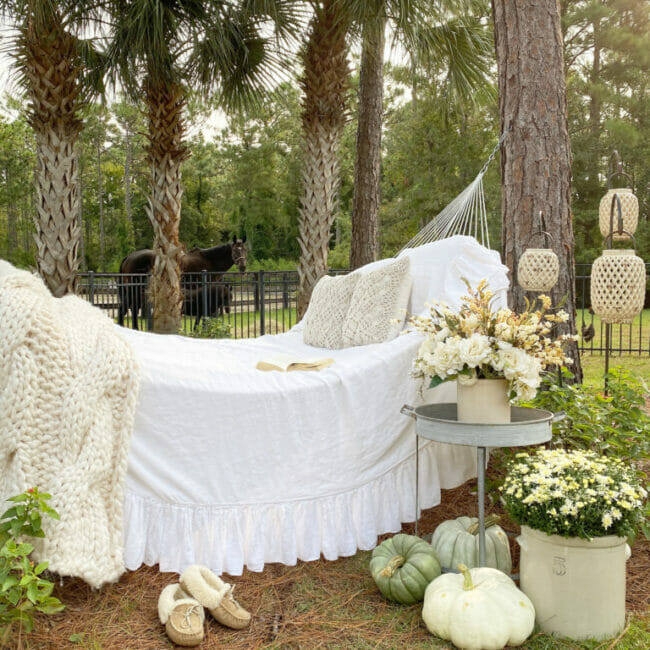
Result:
pixel 226 539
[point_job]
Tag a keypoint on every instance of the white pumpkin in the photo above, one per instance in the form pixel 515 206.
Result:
pixel 478 609
pixel 456 541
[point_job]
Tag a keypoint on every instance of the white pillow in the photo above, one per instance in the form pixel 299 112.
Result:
pixel 327 311
pixel 379 299
pixel 436 271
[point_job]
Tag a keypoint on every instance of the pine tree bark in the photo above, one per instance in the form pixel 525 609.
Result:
pixel 100 203
pixel 165 153
pixel 367 168
pixel 325 86
pixel 536 156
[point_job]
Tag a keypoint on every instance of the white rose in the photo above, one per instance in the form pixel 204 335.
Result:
pixel 475 350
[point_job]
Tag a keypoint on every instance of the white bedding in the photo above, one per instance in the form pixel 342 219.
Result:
pixel 230 466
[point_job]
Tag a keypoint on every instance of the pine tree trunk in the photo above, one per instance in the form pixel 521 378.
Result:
pixel 367 168
pixel 49 64
pixel 12 217
pixel 536 157
pixel 100 203
pixel 165 153
pixel 82 233
pixel 324 85
pixel 127 188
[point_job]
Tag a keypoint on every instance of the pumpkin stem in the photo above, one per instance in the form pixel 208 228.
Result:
pixel 467 583
pixel 393 564
pixel 490 520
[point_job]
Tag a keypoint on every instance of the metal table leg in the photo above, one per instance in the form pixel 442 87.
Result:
pixel 480 469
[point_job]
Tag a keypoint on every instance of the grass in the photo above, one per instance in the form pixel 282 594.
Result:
pixel 321 604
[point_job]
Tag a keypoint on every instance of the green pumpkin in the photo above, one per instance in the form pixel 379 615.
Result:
pixel 403 566
pixel 456 542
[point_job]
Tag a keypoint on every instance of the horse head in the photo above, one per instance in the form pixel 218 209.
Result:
pixel 238 248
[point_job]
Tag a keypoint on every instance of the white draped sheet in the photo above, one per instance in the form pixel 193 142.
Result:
pixel 230 466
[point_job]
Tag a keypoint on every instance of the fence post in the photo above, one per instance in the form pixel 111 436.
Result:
pixel 91 287
pixel 285 292
pixel 262 302
pixel 204 296
pixel 147 302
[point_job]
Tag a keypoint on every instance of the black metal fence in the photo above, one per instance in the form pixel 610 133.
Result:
pixel 264 302
pixel 244 304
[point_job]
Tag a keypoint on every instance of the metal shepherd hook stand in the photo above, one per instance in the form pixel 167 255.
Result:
pixel 616 202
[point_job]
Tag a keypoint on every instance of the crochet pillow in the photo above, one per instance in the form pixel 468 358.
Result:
pixel 327 311
pixel 378 306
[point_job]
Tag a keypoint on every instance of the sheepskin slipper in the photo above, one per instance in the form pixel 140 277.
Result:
pixel 182 616
pixel 216 595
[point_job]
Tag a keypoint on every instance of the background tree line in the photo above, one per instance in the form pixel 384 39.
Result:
pixel 247 179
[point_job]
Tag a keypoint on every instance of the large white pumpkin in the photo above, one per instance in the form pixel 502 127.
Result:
pixel 478 609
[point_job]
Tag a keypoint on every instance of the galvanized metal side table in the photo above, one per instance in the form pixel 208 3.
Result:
pixel 527 426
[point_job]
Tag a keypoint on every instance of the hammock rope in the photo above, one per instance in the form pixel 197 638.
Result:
pixel 465 215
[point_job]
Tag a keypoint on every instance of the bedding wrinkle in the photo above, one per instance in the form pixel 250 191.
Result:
pixel 232 467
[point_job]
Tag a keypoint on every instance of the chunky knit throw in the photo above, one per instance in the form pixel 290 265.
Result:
pixel 68 388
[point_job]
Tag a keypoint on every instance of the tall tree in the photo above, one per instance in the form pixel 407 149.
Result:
pixel 325 86
pixel 159 48
pixel 451 33
pixel 49 59
pixel 536 156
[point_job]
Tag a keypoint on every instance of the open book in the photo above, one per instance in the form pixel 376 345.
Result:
pixel 286 363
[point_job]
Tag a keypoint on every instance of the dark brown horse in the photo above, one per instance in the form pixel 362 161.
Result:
pixel 217 259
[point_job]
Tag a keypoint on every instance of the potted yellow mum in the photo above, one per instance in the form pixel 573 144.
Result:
pixel 576 510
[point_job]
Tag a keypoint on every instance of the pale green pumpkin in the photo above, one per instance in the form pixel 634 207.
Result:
pixel 456 541
pixel 403 566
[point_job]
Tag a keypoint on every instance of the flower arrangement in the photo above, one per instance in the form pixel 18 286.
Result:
pixel 573 494
pixel 481 343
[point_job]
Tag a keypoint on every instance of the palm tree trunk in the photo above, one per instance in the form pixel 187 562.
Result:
pixel 367 167
pixel 325 86
pixel 536 157
pixel 53 90
pixel 165 153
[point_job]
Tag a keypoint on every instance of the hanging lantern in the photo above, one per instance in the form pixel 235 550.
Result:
pixel 618 284
pixel 538 268
pixel 618 213
pixel 629 205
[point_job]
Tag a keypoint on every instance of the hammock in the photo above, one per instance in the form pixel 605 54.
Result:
pixel 465 215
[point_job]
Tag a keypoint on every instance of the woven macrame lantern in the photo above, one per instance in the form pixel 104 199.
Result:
pixel 629 218
pixel 538 268
pixel 618 285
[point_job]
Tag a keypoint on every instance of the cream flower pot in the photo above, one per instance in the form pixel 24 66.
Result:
pixel 576 585
pixel 485 401
pixel 629 211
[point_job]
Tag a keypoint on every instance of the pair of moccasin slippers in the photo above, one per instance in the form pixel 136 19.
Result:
pixel 181 606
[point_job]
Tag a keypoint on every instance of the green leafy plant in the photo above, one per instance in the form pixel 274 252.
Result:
pixel 212 328
pixel 614 425
pixel 23 589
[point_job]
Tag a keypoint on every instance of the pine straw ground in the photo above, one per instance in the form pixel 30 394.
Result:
pixel 313 605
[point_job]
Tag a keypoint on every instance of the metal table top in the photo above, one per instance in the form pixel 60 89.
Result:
pixel 528 426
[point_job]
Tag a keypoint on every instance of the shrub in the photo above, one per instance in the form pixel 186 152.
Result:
pixel 23 590
pixel 212 328
pixel 616 425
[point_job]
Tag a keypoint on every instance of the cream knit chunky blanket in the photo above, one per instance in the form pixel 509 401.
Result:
pixel 68 388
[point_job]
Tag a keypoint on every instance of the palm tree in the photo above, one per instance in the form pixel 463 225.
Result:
pixel 158 50
pixel 49 58
pixel 325 86
pixel 448 35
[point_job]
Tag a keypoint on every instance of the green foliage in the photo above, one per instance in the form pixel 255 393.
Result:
pixel 23 590
pixel 211 328
pixel 616 425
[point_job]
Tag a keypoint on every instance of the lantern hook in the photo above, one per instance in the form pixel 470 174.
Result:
pixel 615 158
